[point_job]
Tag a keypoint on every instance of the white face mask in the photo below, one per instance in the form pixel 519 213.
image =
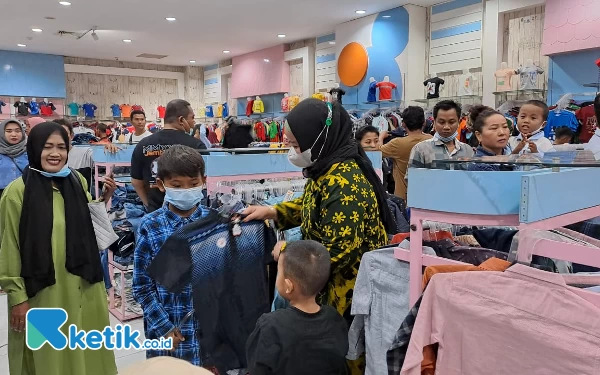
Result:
pixel 302 160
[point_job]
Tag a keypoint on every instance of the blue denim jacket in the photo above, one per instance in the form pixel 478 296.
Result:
pixel 11 169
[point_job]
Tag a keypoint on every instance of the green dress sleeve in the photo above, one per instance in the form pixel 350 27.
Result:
pixel 10 257
pixel 342 216
pixel 289 214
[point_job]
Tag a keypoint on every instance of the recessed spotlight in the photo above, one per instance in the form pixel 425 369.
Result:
pixel 21 45
pixel 386 16
pixel 127 40
pixel 332 43
pixel 36 30
pixel 361 12
pixel 266 60
pixel 281 35
pixel 171 19
pixel 226 51
pixel 50 18
pixel 65 3
pixel 192 61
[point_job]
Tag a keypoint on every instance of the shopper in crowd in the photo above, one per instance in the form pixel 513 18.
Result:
pixel 469 135
pixel 237 135
pixel 31 122
pixel 49 257
pixel 594 143
pixel 102 133
pixel 492 131
pixel 532 119
pixel 138 121
pixel 13 155
pixel 368 137
pixel 180 175
pixel 444 145
pixel 201 132
pixel 305 338
pixel 563 135
pixel 179 120
pixel 399 149
pixel 344 204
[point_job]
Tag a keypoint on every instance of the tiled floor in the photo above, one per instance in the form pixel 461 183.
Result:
pixel 124 357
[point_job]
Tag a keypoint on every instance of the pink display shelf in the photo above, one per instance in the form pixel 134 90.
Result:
pixel 121 312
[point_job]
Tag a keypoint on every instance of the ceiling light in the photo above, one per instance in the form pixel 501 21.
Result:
pixel 65 3
pixel 171 19
pixel 50 18
pixel 36 30
pixel 266 60
pixel 226 51
pixel 361 11
pixel 192 61
pixel 127 40
pixel 332 43
pixel 21 45
pixel 281 35
pixel 386 16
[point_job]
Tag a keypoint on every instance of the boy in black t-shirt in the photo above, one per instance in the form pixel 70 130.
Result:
pixel 304 339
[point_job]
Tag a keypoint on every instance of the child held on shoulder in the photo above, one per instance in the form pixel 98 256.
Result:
pixel 305 338
pixel 532 119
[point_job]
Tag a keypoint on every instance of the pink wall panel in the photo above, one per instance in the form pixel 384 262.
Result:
pixel 571 25
pixel 252 75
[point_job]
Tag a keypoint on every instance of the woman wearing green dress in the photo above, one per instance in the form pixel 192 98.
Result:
pixel 49 258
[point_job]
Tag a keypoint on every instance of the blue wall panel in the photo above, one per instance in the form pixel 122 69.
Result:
pixel 456 30
pixel 569 72
pixel 389 38
pixel 451 5
pixel 32 75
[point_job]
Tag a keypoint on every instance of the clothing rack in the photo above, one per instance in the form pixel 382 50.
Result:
pixel 502 199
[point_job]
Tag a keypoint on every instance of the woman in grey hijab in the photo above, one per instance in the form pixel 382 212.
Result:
pixel 13 155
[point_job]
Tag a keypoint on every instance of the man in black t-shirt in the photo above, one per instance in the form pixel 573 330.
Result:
pixel 179 119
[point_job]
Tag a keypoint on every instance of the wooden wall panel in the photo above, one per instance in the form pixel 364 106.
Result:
pixel 122 64
pixel 523 33
pixel 105 90
pixel 296 79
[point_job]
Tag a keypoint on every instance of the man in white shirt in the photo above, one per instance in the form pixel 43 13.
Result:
pixel 594 142
pixel 138 120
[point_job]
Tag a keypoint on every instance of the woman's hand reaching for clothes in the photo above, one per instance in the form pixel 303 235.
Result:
pixel 260 213
pixel 110 186
pixel 17 316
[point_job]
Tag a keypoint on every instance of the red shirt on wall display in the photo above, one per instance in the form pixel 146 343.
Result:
pixel 161 111
pixel 385 90
pixel 589 122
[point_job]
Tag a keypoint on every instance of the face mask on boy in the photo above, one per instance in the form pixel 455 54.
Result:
pixel 184 199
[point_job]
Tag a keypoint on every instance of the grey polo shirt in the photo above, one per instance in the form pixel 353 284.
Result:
pixel 424 154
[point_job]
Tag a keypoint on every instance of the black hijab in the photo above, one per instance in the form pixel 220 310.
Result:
pixel 37 218
pixel 307 120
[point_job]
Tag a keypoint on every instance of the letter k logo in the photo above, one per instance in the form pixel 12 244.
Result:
pixel 43 325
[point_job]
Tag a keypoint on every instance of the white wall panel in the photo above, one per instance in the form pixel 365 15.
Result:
pixel 457 12
pixel 460 20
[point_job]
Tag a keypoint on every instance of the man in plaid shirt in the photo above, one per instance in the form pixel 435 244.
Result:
pixel 181 176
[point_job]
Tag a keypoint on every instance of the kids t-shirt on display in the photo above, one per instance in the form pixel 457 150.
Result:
pixel 125 111
pixel 46 109
pixel 528 77
pixel 589 123
pixel 34 107
pixel 385 90
pixel 161 111
pixel 22 108
pixel 503 79
pixel 89 109
pixel 116 110
pixel 556 119
pixel 433 87
pixel 371 96
pixel 465 84
pixel 73 109
pixel 2 104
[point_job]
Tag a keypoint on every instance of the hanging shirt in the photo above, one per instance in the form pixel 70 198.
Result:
pixel 230 295
pixel 319 96
pixel 556 119
pixel 22 108
pixel 89 109
pixel 293 101
pixel 433 87
pixel 220 110
pixel 116 110
pixel 249 107
pixel 2 104
pixel 126 111
pixel 465 84
pixel 225 112
pixel 589 123
pixel 503 79
pixel 285 104
pixel 385 90
pixel 371 96
pixel 258 106
pixel 528 77
pixel 34 107
pixel 47 109
pixel 137 108
pixel 161 111
pixel 209 111
pixel 336 95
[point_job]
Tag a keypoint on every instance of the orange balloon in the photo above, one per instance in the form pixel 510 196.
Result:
pixel 353 64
